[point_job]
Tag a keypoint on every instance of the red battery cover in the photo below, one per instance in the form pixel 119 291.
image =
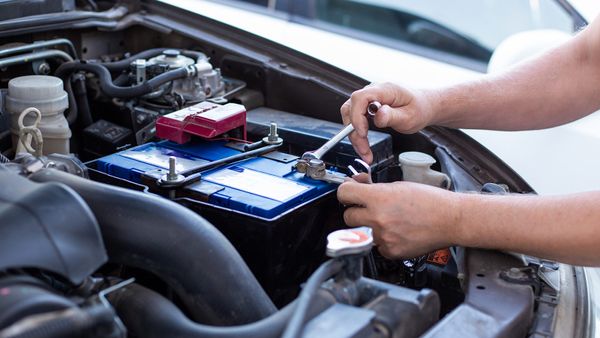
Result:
pixel 205 119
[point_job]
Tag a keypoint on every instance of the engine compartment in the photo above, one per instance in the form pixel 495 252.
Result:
pixel 180 143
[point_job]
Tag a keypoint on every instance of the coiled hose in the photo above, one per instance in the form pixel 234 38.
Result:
pixel 110 89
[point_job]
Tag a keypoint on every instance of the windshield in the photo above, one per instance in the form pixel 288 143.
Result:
pixel 486 21
pixel 469 29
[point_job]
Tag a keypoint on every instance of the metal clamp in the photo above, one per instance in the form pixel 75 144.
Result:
pixel 316 169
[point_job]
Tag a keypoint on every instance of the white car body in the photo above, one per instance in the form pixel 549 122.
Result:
pixel 553 161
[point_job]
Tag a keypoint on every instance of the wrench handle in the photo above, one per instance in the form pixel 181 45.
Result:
pixel 334 140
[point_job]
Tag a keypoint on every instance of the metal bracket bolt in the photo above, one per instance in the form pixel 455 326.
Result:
pixel 272 137
pixel 172 176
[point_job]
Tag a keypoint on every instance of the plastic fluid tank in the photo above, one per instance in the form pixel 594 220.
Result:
pixel 45 93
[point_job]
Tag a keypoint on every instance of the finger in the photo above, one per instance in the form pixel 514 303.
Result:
pixel 362 178
pixel 385 93
pixel 352 193
pixel 358 112
pixel 361 147
pixel 357 216
pixel 345 112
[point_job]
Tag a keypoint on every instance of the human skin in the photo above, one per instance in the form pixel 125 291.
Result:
pixel 409 219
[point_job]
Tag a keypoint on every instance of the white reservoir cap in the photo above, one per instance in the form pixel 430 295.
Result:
pixel 349 242
pixel 44 92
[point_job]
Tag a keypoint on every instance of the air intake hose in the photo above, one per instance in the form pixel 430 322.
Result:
pixel 151 233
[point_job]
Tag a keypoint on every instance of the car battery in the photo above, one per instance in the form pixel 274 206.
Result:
pixel 262 186
pixel 275 217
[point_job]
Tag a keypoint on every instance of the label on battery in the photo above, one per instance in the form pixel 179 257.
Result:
pixel 257 183
pixel 160 157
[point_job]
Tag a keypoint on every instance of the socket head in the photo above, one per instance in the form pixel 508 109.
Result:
pixel 373 107
pixel 309 155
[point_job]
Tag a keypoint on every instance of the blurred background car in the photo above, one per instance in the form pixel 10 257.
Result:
pixel 437 43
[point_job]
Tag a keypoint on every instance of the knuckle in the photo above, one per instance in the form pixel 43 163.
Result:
pixel 345 107
pixel 356 94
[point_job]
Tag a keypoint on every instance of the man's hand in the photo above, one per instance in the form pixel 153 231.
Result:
pixel 407 111
pixel 407 219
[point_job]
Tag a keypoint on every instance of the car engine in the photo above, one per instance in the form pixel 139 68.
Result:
pixel 154 185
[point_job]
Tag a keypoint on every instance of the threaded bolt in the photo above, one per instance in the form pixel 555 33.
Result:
pixel 273 132
pixel 172 168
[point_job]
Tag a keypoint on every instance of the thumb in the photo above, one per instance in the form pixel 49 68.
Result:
pixel 384 117
pixel 397 118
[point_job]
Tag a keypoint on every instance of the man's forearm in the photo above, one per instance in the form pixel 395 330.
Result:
pixel 556 88
pixel 564 228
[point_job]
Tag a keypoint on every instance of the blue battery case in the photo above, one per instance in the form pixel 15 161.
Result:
pixel 260 186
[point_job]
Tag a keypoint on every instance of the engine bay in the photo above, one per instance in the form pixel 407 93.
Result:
pixel 154 187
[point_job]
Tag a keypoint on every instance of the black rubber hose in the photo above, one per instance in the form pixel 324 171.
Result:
pixel 109 88
pixel 121 80
pixel 124 64
pixel 323 273
pixel 146 313
pixel 72 323
pixel 71 114
pixel 27 297
pixel 81 100
pixel 193 54
pixel 183 249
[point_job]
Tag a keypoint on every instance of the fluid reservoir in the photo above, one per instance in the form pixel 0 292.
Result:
pixel 45 93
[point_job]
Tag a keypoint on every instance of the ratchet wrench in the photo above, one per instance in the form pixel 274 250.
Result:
pixel 313 166
pixel 372 109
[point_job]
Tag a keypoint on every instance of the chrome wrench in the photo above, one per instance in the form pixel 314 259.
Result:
pixel 313 166
pixel 372 109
